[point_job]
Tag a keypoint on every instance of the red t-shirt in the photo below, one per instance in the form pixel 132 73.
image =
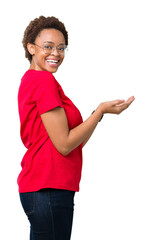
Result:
pixel 42 165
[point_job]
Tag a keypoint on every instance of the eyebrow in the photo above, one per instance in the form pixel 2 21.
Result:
pixel 53 43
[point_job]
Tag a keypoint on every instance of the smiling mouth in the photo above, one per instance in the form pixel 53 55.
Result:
pixel 52 62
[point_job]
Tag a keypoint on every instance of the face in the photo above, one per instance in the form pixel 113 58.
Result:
pixel 41 59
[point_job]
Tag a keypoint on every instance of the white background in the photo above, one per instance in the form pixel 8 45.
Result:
pixel 110 57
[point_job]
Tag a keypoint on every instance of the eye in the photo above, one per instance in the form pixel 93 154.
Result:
pixel 61 48
pixel 48 47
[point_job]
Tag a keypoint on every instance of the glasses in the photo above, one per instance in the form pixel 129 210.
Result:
pixel 49 47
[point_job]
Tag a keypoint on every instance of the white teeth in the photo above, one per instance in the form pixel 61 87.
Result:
pixel 52 61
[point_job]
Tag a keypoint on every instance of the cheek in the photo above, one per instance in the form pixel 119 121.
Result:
pixel 40 60
pixel 39 56
pixel 61 59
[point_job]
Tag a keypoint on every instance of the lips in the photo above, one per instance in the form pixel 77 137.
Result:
pixel 53 62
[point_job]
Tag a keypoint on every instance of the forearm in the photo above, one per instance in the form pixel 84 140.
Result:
pixel 83 132
pixel 65 140
pixel 87 139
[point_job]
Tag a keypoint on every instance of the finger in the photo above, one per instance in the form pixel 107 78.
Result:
pixel 126 104
pixel 130 100
pixel 118 102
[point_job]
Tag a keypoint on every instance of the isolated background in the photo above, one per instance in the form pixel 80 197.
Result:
pixel 110 57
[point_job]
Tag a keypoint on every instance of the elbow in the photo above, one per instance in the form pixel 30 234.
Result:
pixel 63 148
pixel 64 151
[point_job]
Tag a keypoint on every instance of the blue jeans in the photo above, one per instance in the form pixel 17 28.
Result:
pixel 50 213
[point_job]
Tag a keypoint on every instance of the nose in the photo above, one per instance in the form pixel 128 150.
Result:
pixel 54 51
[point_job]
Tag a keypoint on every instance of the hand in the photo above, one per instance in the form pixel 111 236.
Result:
pixel 116 106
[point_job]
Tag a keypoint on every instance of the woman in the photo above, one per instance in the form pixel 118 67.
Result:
pixel 53 132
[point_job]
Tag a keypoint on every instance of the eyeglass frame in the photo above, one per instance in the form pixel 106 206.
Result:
pixel 61 53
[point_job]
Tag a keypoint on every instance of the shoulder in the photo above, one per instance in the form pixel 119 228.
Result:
pixel 35 78
pixel 34 74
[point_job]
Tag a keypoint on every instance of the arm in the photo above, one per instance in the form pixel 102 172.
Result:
pixel 121 107
pixel 66 140
pixel 87 139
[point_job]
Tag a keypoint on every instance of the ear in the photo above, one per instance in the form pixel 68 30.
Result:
pixel 31 48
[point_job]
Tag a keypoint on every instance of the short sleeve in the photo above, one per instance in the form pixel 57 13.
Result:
pixel 46 93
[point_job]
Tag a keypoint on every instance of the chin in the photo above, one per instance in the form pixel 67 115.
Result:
pixel 49 69
pixel 53 70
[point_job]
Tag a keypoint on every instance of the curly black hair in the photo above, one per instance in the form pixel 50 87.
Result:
pixel 36 26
